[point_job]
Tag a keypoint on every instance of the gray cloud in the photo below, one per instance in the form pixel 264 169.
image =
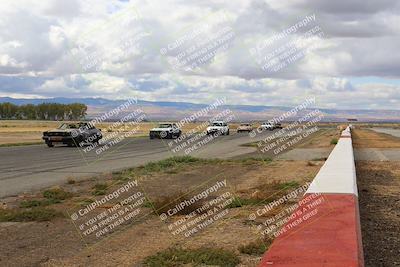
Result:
pixel 41 50
pixel 348 7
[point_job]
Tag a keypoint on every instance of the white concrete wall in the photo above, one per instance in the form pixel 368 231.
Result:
pixel 338 174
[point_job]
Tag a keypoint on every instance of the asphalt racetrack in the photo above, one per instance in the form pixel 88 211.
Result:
pixel 27 168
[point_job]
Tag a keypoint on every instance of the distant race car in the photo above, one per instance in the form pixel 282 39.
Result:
pixel 245 127
pixel 73 134
pixel 165 130
pixel 270 126
pixel 220 127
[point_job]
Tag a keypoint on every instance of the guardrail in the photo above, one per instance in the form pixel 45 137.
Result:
pixel 325 229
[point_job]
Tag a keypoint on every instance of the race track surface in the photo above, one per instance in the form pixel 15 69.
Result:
pixel 28 168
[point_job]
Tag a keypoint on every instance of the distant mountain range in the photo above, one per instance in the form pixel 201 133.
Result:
pixel 159 110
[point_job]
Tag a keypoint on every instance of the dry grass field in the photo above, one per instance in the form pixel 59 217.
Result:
pixel 364 138
pixel 253 182
pixel 23 132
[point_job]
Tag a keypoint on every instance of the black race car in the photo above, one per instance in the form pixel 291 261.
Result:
pixel 73 134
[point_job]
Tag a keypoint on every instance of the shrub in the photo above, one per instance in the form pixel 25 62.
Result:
pixel 84 201
pixel 56 194
pixel 37 203
pixel 253 160
pixel 286 185
pixel 99 189
pixel 203 256
pixel 71 181
pixel 166 203
pixel 35 214
pixel 255 248
pixel 310 163
pixel 168 163
pixel 238 202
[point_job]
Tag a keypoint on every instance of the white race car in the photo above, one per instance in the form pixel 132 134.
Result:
pixel 270 126
pixel 165 130
pixel 245 127
pixel 220 127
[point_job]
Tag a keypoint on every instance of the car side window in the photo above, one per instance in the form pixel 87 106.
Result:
pixel 88 126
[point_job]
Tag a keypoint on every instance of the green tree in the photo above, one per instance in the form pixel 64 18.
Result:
pixel 77 111
pixel 28 111
pixel 8 111
pixel 44 111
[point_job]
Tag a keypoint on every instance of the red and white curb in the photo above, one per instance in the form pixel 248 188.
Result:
pixel 325 228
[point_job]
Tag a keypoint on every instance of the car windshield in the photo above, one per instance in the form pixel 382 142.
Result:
pixel 164 125
pixel 68 126
pixel 216 124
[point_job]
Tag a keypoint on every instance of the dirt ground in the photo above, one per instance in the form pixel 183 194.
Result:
pixel 370 125
pixel 379 200
pixel 322 139
pixel 364 138
pixel 379 187
pixel 57 242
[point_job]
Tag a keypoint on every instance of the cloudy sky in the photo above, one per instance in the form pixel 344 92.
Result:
pixel 254 52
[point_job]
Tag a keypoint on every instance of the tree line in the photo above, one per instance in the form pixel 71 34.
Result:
pixel 44 111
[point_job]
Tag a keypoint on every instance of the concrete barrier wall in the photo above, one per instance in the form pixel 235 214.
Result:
pixel 324 230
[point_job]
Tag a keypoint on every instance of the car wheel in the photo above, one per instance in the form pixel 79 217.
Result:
pixel 50 144
pixel 78 143
pixel 227 133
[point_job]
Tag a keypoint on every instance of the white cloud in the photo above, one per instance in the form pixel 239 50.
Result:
pixel 37 40
pixel 7 61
